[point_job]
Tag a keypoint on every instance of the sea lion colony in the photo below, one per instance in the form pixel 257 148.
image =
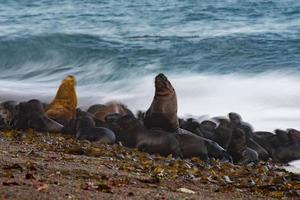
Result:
pixel 157 131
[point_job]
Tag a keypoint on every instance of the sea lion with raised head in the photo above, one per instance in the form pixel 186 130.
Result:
pixel 163 110
pixel 63 107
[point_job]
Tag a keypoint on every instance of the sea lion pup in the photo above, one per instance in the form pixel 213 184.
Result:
pixel 63 107
pixel 238 148
pixel 236 122
pixel 163 110
pixel 131 133
pixel 31 115
pixel 8 113
pixel 223 132
pixel 86 130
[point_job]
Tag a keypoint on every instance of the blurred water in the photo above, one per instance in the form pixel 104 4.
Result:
pixel 221 56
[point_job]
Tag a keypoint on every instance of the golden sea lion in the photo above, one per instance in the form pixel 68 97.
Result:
pixel 63 107
pixel 163 110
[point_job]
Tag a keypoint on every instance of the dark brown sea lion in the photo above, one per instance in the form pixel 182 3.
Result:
pixel 279 145
pixel 126 129
pixel 157 141
pixel 270 140
pixel 293 135
pixel 236 122
pixel 8 113
pixel 238 148
pixel 237 144
pixel 208 125
pixel 63 107
pixel 249 156
pixel 191 125
pixel 287 153
pixel 192 145
pixel 223 133
pixel 262 152
pixel 31 115
pixel 86 130
pixel 163 110
pixel 208 129
pixel 131 133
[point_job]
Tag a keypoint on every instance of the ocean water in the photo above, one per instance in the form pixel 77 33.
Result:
pixel 221 56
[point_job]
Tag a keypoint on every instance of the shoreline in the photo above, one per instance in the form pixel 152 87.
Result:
pixel 40 165
pixel 198 95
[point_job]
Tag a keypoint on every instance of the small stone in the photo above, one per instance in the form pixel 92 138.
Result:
pixel 227 180
pixel 130 194
pixel 185 190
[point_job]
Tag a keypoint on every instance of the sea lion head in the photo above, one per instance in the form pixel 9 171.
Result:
pixel 163 86
pixel 70 79
pixel 294 135
pixel 125 124
pixel 223 122
pixel 235 118
pixel 34 105
pixel 208 125
pixel 128 123
pixel 85 122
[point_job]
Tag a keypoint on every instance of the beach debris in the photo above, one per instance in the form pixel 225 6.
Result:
pixel 42 187
pixel 265 178
pixel 185 190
